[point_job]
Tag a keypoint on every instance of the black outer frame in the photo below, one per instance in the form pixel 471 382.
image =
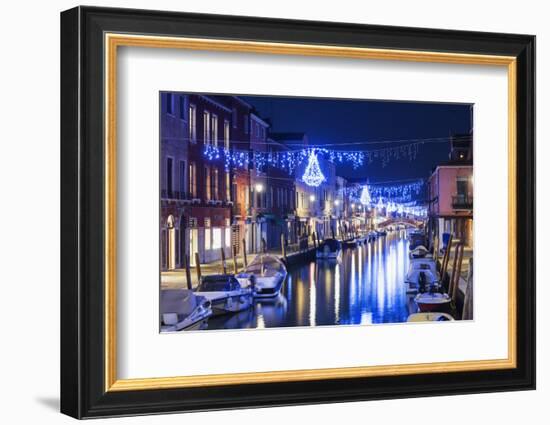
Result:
pixel 82 219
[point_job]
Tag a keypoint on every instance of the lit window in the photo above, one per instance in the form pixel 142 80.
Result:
pixel 226 135
pixel 228 237
pixel 215 130
pixel 192 123
pixel 206 129
pixel 208 238
pixel 216 238
pixel 208 183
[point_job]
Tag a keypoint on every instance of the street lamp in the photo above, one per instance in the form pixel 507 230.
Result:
pixel 312 198
pixel 336 202
pixel 259 187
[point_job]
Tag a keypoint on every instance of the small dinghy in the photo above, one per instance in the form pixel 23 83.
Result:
pixel 416 238
pixel 181 309
pixel 371 236
pixel 225 293
pixel 265 275
pixel 427 267
pixel 433 301
pixel 419 252
pixel 430 317
pixel 329 249
pixel 431 298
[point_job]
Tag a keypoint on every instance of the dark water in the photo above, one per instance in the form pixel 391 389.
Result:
pixel 367 286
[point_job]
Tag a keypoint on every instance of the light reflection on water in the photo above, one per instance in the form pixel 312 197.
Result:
pixel 367 286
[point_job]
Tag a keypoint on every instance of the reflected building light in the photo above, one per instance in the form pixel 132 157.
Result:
pixel 312 296
pixel 260 323
pixel 337 293
pixel 366 318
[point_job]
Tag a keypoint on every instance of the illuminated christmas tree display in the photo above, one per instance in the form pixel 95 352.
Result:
pixel 313 175
pixel 365 196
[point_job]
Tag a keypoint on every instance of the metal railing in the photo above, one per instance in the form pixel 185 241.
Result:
pixel 463 202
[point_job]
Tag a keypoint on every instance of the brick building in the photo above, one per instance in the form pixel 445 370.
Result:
pixel 196 196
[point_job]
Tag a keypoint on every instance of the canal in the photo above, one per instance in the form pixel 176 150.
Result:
pixel 365 287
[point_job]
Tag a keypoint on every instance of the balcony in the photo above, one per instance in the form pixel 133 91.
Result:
pixel 463 202
pixel 237 207
pixel 175 194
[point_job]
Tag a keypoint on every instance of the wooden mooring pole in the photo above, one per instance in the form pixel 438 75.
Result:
pixel 198 266
pixel 188 272
pixel 283 245
pixel 235 268
pixel 244 254
pixel 222 251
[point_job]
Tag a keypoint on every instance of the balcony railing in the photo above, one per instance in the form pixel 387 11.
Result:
pixel 237 208
pixel 463 202
pixel 175 194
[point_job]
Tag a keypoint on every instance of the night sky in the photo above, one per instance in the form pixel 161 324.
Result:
pixel 329 121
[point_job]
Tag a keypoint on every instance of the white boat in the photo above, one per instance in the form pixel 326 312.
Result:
pixel 181 309
pixel 419 252
pixel 329 249
pixel 265 275
pixel 371 236
pixel 430 317
pixel 225 293
pixel 424 266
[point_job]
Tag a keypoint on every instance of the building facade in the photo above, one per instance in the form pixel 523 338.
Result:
pixel 451 193
pixel 196 193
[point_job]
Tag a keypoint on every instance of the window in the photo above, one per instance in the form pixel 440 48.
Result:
pixel 227 236
pixel 226 135
pixel 170 103
pixel 207 236
pixel 169 174
pixel 182 107
pixel 182 179
pixel 206 130
pixel 216 184
pixel 215 130
pixel 193 123
pixel 462 186
pixel 227 186
pixel 216 238
pixel 208 181
pixel 193 180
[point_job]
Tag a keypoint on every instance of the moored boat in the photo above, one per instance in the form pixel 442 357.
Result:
pixel 421 268
pixel 329 249
pixel 225 293
pixel 433 301
pixel 430 317
pixel 181 309
pixel 265 274
pixel 419 252
pixel 416 238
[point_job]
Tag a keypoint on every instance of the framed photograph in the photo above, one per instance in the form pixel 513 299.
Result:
pixel 261 212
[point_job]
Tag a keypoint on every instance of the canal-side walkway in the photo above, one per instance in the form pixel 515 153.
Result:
pixel 176 279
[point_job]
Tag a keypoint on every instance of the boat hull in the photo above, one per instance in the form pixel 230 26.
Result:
pixel 433 302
